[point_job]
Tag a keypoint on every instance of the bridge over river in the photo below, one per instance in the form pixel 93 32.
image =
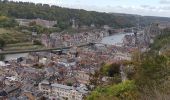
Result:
pixel 48 49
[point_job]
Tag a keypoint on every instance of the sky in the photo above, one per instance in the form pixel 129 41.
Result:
pixel 140 7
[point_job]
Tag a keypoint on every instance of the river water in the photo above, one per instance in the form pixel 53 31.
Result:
pixel 15 56
pixel 116 39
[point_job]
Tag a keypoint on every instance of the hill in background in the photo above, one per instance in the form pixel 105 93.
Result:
pixel 64 16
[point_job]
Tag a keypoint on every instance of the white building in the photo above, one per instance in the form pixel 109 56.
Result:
pixel 68 92
pixel 63 91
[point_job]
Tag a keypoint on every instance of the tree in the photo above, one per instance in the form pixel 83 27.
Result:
pixel 37 42
pixel 2 43
pixel 110 69
pixel 64 15
pixel 121 91
pixel 2 57
pixel 5 1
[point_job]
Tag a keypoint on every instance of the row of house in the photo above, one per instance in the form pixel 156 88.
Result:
pixel 63 91
pixel 38 21
pixel 58 40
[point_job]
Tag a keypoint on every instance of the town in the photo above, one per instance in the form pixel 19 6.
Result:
pixel 84 50
pixel 66 74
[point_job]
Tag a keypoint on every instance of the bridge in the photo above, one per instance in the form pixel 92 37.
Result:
pixel 42 50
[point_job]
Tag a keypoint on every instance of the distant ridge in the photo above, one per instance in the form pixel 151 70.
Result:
pixel 26 10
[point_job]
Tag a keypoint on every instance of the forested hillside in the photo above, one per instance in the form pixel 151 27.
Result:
pixel 64 15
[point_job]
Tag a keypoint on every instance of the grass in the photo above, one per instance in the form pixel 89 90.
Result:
pixel 22 46
pixel 19 44
pixel 2 31
pixel 16 41
pixel 11 36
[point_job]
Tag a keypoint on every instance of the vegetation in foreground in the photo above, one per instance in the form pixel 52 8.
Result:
pixel 149 76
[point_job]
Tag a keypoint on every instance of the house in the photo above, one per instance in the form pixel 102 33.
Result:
pixel 50 71
pixel 2 64
pixel 45 40
pixel 24 22
pixel 82 77
pixel 106 27
pixel 41 22
pixel 11 90
pixel 84 27
pixel 119 56
pixel 3 94
pixel 45 23
pixel 45 87
pixel 92 25
pixel 43 61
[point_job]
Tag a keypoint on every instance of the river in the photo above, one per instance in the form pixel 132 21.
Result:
pixel 116 39
pixel 15 56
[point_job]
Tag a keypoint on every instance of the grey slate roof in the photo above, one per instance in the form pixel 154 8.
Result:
pixel 62 86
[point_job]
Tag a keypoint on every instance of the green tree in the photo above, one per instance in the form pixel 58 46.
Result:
pixel 110 69
pixel 121 91
pixel 2 43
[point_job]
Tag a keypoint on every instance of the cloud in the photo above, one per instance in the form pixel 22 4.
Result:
pixel 164 2
pixel 148 10
pixel 144 10
pixel 148 7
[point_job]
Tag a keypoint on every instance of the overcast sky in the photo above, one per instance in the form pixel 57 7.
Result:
pixel 141 7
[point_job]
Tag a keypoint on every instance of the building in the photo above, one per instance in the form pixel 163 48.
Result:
pixel 122 56
pixel 3 95
pixel 106 27
pixel 67 92
pixel 50 71
pixel 63 91
pixel 23 22
pixel 45 23
pixel 10 90
pixel 163 25
pixel 82 77
pixel 45 87
pixel 41 22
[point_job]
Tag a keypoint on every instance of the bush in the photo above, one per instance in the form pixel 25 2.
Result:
pixel 2 43
pixel 121 91
pixel 37 42
pixel 7 22
pixel 110 70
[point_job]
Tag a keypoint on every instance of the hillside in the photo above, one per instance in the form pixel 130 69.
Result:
pixel 64 15
pixel 149 77
pixel 12 36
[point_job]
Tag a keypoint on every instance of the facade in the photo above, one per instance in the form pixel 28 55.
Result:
pixel 122 56
pixel 66 92
pixel 62 91
pixel 23 22
pixel 106 27
pixel 45 87
pixel 45 23
pixel 41 22
pixel 83 77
